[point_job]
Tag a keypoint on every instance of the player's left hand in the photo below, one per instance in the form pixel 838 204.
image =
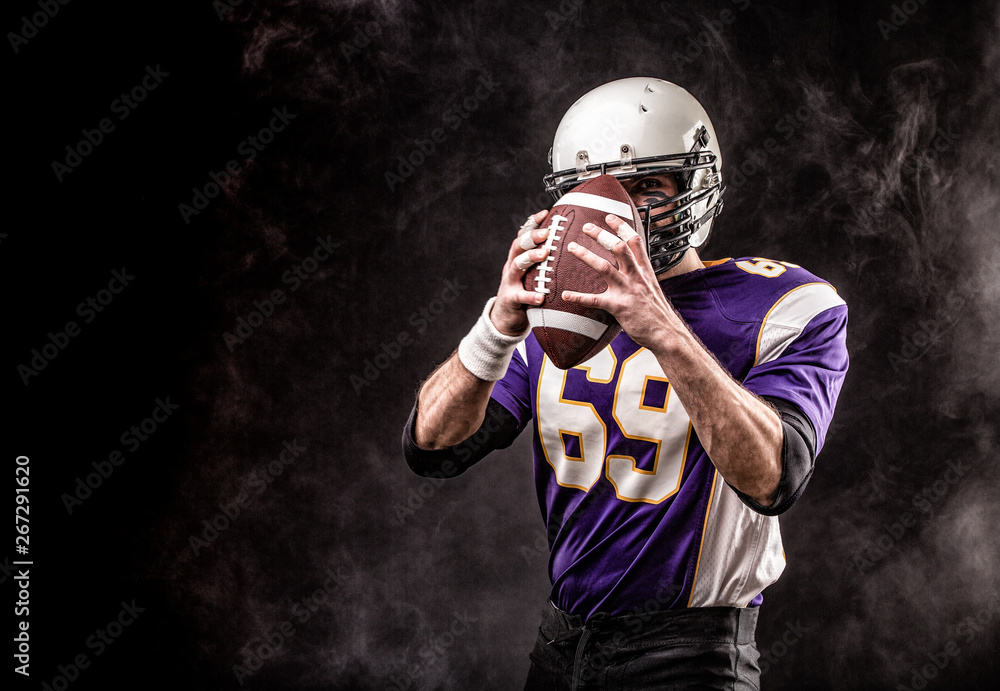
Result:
pixel 633 296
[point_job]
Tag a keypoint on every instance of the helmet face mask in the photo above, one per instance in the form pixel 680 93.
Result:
pixel 604 130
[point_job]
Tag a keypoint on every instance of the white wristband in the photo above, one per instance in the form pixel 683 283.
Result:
pixel 485 351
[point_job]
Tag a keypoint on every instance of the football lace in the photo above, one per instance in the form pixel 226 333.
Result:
pixel 550 245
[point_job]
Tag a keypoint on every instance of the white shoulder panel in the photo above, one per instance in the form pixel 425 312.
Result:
pixel 790 315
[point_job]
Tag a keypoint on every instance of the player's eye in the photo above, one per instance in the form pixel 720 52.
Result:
pixel 648 184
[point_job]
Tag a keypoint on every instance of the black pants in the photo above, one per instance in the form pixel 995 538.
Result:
pixel 698 648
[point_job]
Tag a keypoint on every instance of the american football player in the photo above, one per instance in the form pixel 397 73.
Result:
pixel 662 463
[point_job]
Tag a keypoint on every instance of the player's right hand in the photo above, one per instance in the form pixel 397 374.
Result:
pixel 508 315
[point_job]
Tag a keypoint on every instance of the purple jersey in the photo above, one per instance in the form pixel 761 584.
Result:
pixel 635 508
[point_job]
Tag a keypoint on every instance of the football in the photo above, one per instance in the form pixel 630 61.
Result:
pixel 569 333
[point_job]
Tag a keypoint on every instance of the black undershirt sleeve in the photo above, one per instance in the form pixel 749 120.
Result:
pixel 498 431
pixel 798 457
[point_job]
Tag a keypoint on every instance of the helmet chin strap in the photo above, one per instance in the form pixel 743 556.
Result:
pixel 663 267
pixel 662 264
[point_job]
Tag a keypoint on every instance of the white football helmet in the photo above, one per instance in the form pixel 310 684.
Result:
pixel 645 126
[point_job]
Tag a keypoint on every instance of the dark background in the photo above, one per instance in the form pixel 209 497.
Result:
pixel 886 185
